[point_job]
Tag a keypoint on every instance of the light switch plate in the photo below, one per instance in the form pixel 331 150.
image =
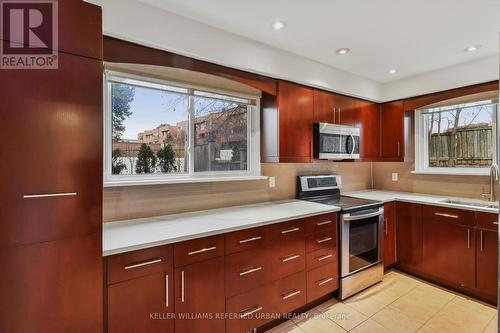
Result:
pixel 395 176
pixel 272 182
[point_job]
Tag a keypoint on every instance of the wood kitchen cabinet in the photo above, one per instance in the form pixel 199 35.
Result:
pixel 392 131
pixel 199 294
pixel 389 233
pixel 409 240
pixel 487 255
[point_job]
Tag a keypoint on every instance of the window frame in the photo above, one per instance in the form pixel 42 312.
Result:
pixel 190 176
pixel 422 153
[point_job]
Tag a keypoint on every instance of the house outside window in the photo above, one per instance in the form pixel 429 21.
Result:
pixel 161 132
pixel 456 139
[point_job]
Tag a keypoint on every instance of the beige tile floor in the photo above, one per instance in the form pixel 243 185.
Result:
pixel 400 304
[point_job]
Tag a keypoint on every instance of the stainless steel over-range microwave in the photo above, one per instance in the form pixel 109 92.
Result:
pixel 335 142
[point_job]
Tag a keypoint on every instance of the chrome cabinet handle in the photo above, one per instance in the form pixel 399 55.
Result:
pixel 250 239
pixel 322 282
pixel 334 115
pixel 399 149
pixel 290 230
pixel 326 256
pixel 326 239
pixel 166 290
pixel 49 195
pixel 182 287
pixel 319 224
pixel 447 215
pixel 385 225
pixel 251 311
pixel 481 239
pixel 495 223
pixel 339 115
pixel 468 238
pixel 290 258
pixel 290 294
pixel 144 263
pixel 202 250
pixel 251 270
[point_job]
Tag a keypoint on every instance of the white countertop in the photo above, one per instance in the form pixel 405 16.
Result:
pixel 434 200
pixel 129 235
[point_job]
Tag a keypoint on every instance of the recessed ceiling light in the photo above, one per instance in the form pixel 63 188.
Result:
pixel 472 48
pixel 392 71
pixel 343 51
pixel 278 25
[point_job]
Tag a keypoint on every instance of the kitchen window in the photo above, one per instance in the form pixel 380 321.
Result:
pixel 457 139
pixel 162 132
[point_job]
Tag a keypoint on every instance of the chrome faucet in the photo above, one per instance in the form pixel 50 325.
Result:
pixel 494 175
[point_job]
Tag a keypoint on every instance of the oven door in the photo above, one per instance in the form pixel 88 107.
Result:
pixel 362 240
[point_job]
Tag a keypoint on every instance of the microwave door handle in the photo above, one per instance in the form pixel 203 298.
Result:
pixel 348 217
pixel 353 144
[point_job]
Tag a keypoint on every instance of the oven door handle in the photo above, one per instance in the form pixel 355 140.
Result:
pixel 349 217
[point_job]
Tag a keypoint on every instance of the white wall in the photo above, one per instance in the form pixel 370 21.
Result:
pixel 140 23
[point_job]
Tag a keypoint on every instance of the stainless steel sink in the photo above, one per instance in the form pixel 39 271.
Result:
pixel 470 203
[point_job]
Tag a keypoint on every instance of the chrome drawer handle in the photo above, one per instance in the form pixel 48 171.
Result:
pixel 251 270
pixel 48 195
pixel 324 257
pixel 290 258
pixel 252 311
pixel 250 239
pixel 202 250
pixel 447 215
pixel 326 239
pixel 290 230
pixel 144 263
pixel 291 294
pixel 495 223
pixel 323 223
pixel 322 282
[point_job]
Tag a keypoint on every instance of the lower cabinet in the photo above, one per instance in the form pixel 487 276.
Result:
pixel 409 235
pixel 487 255
pixel 389 234
pixel 199 297
pixel 232 282
pixel 141 305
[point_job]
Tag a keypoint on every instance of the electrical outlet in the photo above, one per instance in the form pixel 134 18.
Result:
pixel 272 182
pixel 395 176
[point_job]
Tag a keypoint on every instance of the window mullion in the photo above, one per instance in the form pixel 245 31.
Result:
pixel 191 125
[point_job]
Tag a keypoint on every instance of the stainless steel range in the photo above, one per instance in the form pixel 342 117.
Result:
pixel 361 231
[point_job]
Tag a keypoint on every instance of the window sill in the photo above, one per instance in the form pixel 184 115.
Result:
pixel 179 180
pixel 452 172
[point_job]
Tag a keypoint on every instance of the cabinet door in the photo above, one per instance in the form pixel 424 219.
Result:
pixel 141 305
pixel 324 107
pixel 409 235
pixel 390 234
pixel 51 124
pixel 295 105
pixel 52 287
pixel 199 297
pixel 367 118
pixel 449 252
pixel 392 130
pixel 487 262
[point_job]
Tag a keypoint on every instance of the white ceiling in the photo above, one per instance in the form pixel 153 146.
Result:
pixel 413 36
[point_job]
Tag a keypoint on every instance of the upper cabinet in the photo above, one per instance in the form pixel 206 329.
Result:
pixel 287 122
pixel 392 131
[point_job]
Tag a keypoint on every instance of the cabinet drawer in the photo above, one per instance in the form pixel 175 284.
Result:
pixel 287 258
pixel 321 240
pixel 248 310
pixel 321 281
pixel 321 257
pixel 286 230
pixel 457 216
pixel 246 270
pixel 487 221
pixel 196 250
pixel 320 223
pixel 289 293
pixel 134 264
pixel 246 239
